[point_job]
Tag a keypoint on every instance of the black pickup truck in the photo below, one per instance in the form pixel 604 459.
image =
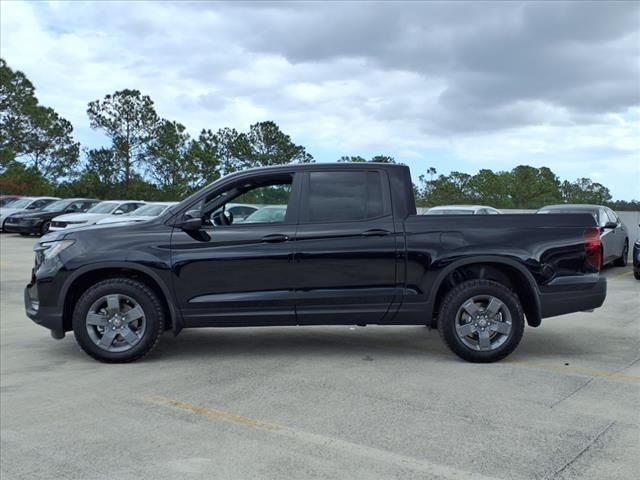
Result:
pixel 331 244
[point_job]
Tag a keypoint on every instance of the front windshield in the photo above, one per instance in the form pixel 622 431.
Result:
pixel 22 203
pixel 57 206
pixel 148 211
pixel 103 207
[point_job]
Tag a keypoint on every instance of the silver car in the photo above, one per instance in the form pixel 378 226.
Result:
pixel 613 233
pixel 463 210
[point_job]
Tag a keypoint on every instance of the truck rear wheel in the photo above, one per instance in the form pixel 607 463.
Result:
pixel 118 320
pixel 481 321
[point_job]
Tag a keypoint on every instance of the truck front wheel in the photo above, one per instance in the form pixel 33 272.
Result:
pixel 481 321
pixel 118 320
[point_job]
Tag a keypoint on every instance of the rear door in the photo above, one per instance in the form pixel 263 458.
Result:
pixel 345 259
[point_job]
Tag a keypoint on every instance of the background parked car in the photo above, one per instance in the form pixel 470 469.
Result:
pixel 240 211
pixel 26 223
pixel 5 200
pixel 24 204
pixel 463 210
pixel 268 214
pixel 146 212
pixel 613 233
pixel 94 214
pixel 636 259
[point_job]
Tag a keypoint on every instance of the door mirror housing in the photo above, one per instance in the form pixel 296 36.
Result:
pixel 610 225
pixel 190 223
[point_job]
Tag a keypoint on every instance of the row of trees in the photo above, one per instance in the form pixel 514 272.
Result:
pixel 150 157
pixel 146 157
pixel 524 187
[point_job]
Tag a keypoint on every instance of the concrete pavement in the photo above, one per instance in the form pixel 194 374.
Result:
pixel 322 402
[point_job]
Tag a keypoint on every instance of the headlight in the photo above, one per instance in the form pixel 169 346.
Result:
pixel 52 248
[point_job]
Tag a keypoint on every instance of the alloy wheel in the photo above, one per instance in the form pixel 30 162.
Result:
pixel 483 323
pixel 115 322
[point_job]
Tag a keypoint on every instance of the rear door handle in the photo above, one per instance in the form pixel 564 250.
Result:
pixel 376 232
pixel 275 238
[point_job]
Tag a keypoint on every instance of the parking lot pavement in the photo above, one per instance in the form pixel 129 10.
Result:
pixel 322 402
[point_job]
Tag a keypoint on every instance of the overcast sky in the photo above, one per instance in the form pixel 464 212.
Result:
pixel 458 86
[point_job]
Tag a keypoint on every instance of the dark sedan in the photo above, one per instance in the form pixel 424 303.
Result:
pixel 613 233
pixel 26 223
pixel 636 259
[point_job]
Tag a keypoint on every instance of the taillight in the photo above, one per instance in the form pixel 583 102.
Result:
pixel 593 247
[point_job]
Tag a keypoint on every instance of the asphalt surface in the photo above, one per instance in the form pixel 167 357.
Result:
pixel 322 402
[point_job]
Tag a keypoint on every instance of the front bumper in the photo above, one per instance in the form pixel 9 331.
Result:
pixel 21 228
pixel 48 317
pixel 572 294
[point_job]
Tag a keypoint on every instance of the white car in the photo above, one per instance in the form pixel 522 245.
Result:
pixel 463 210
pixel 147 212
pixel 25 204
pixel 93 215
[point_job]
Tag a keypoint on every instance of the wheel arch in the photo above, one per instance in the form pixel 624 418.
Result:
pixel 502 270
pixel 87 276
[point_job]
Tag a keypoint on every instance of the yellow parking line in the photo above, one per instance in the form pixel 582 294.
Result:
pixel 577 371
pixel 373 455
pixel 211 413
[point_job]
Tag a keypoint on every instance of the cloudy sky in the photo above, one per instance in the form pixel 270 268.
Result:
pixel 458 86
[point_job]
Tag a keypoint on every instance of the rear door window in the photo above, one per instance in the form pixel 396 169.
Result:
pixel 344 196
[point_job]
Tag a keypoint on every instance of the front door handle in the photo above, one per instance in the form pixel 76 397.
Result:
pixel 376 232
pixel 275 238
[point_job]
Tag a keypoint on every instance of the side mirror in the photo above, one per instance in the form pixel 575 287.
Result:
pixel 190 223
pixel 610 225
pixel 118 212
pixel 72 209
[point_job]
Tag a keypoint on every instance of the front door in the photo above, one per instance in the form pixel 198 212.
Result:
pixel 345 248
pixel 239 273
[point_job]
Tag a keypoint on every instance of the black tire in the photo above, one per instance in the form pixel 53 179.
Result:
pixel 146 298
pixel 637 274
pixel 621 261
pixel 44 229
pixel 452 305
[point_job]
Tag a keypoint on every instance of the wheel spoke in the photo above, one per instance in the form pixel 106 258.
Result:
pixel 500 327
pixel 470 307
pixel 133 314
pixel 97 319
pixel 107 338
pixel 113 304
pixel 483 339
pixel 494 307
pixel 466 329
pixel 129 335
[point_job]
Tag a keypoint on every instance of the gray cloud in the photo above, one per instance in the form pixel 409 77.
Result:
pixel 494 60
pixel 582 57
